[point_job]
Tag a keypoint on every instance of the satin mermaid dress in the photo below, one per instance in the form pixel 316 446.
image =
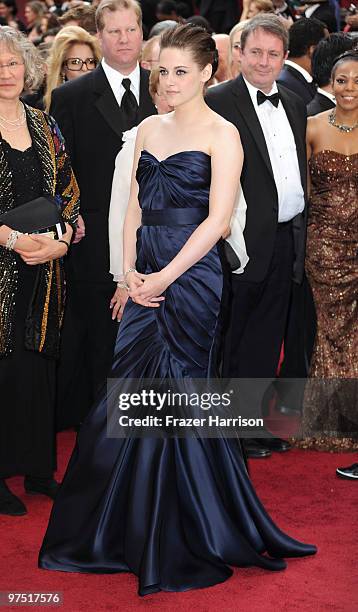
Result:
pixel 177 512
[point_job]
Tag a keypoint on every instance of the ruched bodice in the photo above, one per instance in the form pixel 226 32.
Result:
pixel 181 180
pixel 176 512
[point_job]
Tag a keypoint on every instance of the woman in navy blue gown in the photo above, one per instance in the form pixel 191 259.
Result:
pixel 177 512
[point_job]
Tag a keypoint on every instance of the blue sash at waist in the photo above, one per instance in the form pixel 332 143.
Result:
pixel 174 216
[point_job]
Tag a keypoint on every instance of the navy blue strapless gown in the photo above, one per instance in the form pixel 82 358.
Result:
pixel 175 512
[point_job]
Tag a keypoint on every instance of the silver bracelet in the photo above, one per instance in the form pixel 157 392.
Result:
pixel 128 271
pixel 122 285
pixel 12 239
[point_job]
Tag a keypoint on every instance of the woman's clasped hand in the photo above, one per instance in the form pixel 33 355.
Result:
pixel 146 289
pixel 43 249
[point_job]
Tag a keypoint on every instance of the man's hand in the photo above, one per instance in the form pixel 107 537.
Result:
pixel 352 20
pixel 118 303
pixel 80 230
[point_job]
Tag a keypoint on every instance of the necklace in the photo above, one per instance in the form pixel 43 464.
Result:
pixel 11 125
pixel 341 128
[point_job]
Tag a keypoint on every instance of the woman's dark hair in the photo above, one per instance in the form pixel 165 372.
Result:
pixel 348 56
pixel 194 39
pixel 325 54
pixel 12 5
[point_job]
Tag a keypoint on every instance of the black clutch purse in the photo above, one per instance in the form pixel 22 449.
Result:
pixel 38 216
pixel 231 257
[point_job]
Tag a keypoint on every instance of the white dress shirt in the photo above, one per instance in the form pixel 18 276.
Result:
pixel 311 9
pixel 328 94
pixel 115 80
pixel 282 151
pixel 299 69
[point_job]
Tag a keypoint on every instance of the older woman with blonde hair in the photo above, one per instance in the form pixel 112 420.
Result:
pixel 234 48
pixel 73 53
pixel 35 171
pixel 150 53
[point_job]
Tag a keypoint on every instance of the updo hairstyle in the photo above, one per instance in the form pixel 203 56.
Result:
pixel 195 39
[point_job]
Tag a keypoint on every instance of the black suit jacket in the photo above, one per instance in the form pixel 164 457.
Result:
pixel 232 100
pixel 296 82
pixel 319 104
pixel 91 121
pixel 324 12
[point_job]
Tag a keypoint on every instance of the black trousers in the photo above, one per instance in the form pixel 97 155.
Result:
pixel 258 314
pixel 299 342
pixel 255 329
pixel 87 344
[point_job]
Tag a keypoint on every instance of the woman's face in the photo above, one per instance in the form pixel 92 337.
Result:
pixel 345 85
pixel 74 65
pixel 44 24
pixel 181 78
pixel 235 53
pixel 12 73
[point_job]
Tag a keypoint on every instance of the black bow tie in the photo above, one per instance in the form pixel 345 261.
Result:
pixel 274 99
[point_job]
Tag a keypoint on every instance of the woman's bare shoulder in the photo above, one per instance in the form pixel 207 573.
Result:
pixel 225 133
pixel 318 121
pixel 153 121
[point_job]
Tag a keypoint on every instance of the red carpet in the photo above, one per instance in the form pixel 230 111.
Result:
pixel 301 492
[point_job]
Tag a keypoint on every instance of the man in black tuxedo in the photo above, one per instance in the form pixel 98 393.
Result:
pixel 324 11
pixel 273 181
pixel 93 111
pixel 304 36
pixel 322 61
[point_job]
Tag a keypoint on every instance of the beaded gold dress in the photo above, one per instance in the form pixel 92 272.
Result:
pixel 330 416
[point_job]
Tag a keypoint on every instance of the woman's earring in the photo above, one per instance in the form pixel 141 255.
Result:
pixel 63 77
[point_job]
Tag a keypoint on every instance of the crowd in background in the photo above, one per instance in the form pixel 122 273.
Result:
pixel 72 44
pixel 44 24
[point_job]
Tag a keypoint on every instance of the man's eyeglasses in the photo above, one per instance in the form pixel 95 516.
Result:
pixel 76 64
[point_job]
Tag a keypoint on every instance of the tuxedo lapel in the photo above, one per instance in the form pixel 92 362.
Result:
pixel 324 102
pixel 296 73
pixel 106 101
pixel 246 109
pixel 297 133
